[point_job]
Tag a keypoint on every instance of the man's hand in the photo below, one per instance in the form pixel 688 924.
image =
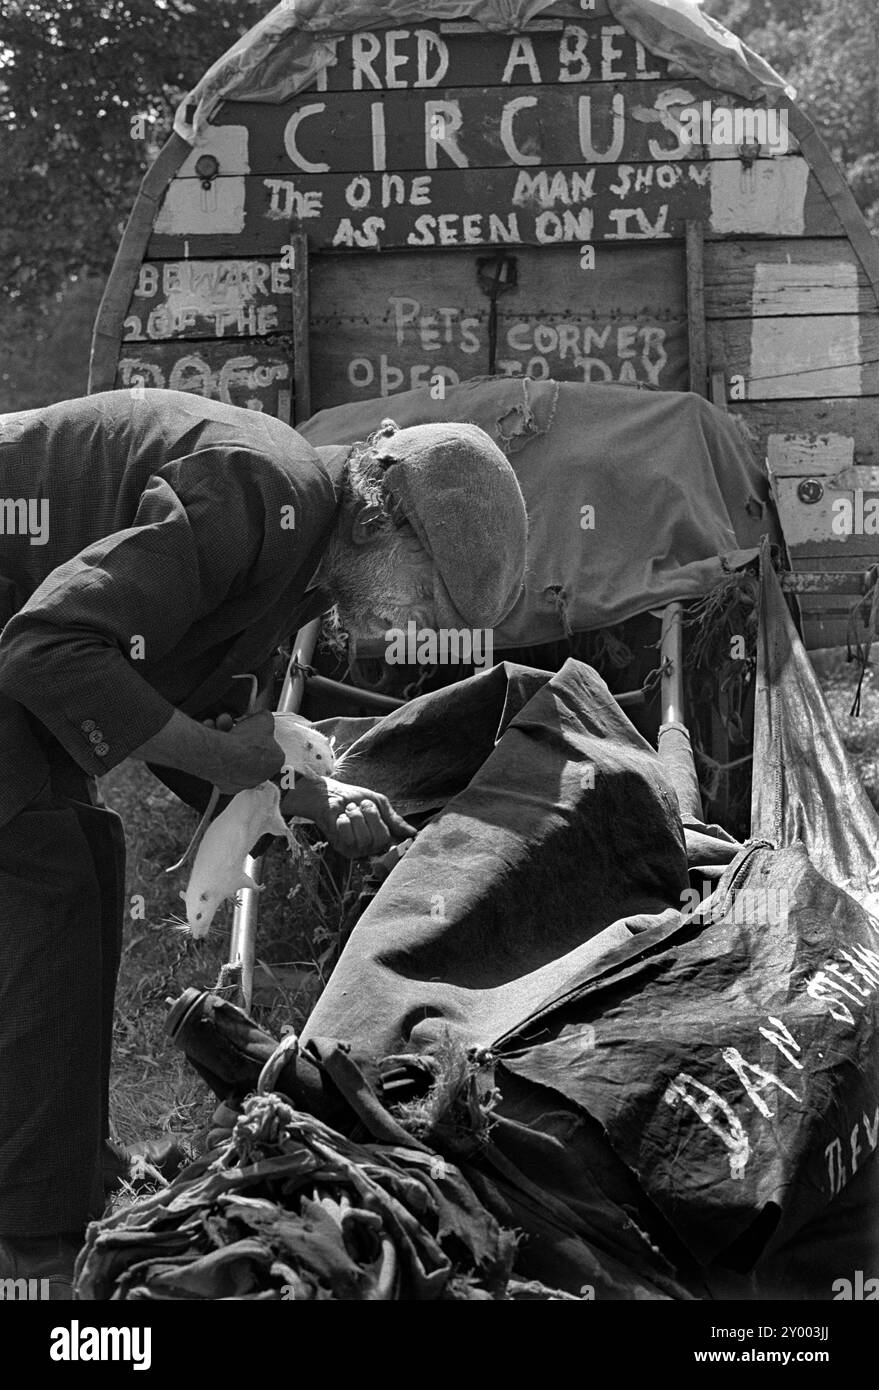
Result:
pixel 245 755
pixel 233 758
pixel 356 822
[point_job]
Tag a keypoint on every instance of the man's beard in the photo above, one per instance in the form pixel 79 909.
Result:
pixel 378 588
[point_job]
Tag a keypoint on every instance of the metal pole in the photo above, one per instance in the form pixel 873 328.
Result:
pixel 671 658
pixel 675 747
pixel 242 944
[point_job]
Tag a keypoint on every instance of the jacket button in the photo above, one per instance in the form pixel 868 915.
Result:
pixel 102 750
pixel 87 725
pixel 96 736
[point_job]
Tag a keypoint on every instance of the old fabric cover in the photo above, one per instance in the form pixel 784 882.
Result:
pixel 675 492
pixel 682 1095
pixel 290 1210
pixel 794 795
pixel 285 51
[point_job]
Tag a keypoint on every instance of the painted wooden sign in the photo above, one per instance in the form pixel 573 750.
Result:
pixel 427 153
pixel 378 334
pixel 252 375
pixel 445 136
pixel 232 298
pixel 625 326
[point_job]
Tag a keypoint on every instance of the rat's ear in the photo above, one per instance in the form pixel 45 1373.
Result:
pixel 369 521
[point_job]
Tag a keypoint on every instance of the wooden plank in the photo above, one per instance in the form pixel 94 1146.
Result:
pixel 697 342
pixel 717 387
pixel 241 297
pixel 473 127
pixel 791 358
pixel 830 526
pixel 248 374
pixel 577 48
pixel 107 334
pixel 231 298
pixel 856 560
pixel 815 582
pixel 392 323
pixel 841 521
pixel 825 618
pixel 809 455
pixel 855 418
pixel 765 279
pixel 837 191
pixel 824 626
pixel 494 207
pixel 301 311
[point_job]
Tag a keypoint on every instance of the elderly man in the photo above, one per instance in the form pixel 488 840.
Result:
pixel 153 546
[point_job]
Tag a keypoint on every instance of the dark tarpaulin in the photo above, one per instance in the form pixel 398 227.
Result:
pixel 549 790
pixel 681 1096
pixel 635 499
pixel 724 1065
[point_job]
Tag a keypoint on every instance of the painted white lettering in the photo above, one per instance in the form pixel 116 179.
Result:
pixel 442 122
pixel 508 139
pixel 747 1071
pixel 584 118
pixel 290 138
pixel 714 1112
pixel 521 54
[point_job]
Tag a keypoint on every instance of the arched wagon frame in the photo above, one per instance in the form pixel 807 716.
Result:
pixel 361 199
pixel 478 131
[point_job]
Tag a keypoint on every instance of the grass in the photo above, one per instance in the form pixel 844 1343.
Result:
pixel 304 911
pixel 303 915
pixel 860 734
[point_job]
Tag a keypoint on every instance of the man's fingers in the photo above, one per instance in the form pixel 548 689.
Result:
pixel 342 837
pixel 360 830
pixel 364 823
pixel 399 828
pixel 379 834
pixel 223 722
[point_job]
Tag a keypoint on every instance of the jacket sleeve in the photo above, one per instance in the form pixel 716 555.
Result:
pixel 70 655
pixel 194 791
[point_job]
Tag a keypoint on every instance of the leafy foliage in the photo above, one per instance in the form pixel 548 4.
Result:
pixel 74 79
pixel 829 50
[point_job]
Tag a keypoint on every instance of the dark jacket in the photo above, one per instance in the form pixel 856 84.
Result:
pixel 182 534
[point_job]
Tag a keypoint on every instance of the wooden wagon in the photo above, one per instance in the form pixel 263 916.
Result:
pixel 354 205
pixel 362 199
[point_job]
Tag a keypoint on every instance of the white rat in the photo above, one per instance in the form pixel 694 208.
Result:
pixel 306 750
pixel 218 870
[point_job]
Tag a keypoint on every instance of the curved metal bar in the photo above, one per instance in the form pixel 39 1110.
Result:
pixel 242 944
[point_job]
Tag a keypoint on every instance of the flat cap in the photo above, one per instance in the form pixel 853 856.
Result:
pixel 461 497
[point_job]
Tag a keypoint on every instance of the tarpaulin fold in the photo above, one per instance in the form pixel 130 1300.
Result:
pixel 567 831
pixel 685 1088
pixel 806 789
